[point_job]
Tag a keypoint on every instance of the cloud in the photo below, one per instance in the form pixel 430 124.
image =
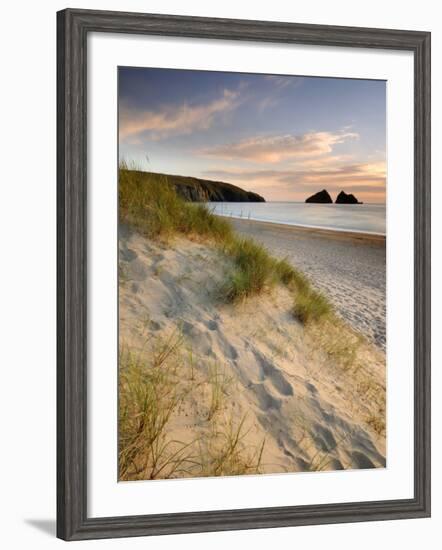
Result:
pixel 266 103
pixel 277 148
pixel 366 178
pixel 351 174
pixel 176 120
pixel 368 172
pixel 281 82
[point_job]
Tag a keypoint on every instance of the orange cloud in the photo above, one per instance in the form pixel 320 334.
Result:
pixel 179 120
pixel 367 180
pixel 277 148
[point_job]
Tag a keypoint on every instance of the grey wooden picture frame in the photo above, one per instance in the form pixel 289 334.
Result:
pixel 73 26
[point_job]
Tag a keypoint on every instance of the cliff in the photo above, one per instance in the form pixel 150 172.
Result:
pixel 201 190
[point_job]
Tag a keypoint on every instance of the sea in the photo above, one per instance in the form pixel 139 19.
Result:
pixel 360 218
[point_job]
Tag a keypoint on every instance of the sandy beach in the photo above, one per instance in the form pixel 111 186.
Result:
pixel 251 373
pixel 348 267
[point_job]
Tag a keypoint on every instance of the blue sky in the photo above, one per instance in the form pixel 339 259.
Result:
pixel 284 137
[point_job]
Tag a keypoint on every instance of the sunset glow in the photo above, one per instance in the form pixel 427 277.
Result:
pixel 284 137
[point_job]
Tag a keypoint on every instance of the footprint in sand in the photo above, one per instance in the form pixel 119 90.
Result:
pixel 229 350
pixel 361 461
pixel 265 399
pixel 138 270
pixel 134 288
pixel 335 464
pixel 153 325
pixel 127 254
pixel 211 325
pixel 275 376
pixel 226 347
pixel 201 339
pixel 362 443
pixel 324 438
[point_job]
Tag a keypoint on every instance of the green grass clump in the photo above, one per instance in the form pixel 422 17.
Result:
pixel 291 276
pixel 311 306
pixel 253 270
pixel 198 219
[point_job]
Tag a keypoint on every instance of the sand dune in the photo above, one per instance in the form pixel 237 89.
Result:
pixel 311 413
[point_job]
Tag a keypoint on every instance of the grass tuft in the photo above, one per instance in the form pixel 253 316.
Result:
pixel 225 453
pixel 310 306
pixel 337 341
pixel 253 270
pixel 291 276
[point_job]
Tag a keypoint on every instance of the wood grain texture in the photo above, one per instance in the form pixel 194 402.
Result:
pixel 72 29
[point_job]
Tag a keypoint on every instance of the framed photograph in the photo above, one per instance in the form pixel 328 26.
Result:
pixel 243 274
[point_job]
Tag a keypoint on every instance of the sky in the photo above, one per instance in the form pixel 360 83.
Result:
pixel 284 137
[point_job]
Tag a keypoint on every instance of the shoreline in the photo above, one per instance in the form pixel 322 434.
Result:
pixel 348 267
pixel 314 229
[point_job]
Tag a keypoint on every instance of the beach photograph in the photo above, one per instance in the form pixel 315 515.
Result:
pixel 251 274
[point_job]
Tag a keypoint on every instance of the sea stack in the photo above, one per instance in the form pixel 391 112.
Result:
pixel 322 197
pixel 344 198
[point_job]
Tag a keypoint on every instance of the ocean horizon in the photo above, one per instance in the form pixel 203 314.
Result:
pixel 359 218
